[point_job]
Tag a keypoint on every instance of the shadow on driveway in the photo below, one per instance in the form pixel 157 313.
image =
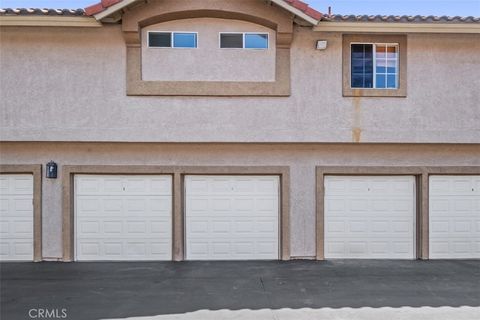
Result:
pixel 127 289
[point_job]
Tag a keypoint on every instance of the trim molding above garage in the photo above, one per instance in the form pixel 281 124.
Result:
pixel 36 171
pixel 178 173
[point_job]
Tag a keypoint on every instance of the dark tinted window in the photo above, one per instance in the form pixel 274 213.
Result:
pixel 231 40
pixel 362 65
pixel 160 39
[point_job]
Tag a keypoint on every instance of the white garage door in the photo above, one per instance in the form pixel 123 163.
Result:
pixel 16 217
pixel 454 215
pixel 232 217
pixel 123 217
pixel 370 217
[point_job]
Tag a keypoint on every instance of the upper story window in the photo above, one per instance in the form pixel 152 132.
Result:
pixel 243 40
pixel 158 39
pixel 374 65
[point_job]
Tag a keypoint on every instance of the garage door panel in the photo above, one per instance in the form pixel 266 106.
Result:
pixel 23 249
pixel 266 249
pixel 198 225
pixel 4 250
pixel 267 226
pixel 90 186
pixel 112 226
pixel 267 206
pixel 368 227
pixel 228 249
pixel 467 205
pixel 363 185
pixel 15 206
pixel 17 185
pixel 454 185
pixel 129 218
pixel 93 206
pixel 16 250
pixel 454 217
pixel 227 185
pixel 4 227
pixel 380 247
pixel 232 217
pixel 264 207
pixel 160 248
pixel 160 226
pixel 442 207
pixel 244 247
pixel 377 249
pixel 130 228
pixel 132 249
pixel 244 204
pixel 234 228
pixel 220 205
pixel 450 249
pixel 110 185
pixel 113 248
pixel 359 205
pixel 16 217
pixel 369 217
pixel 335 248
pixel 221 226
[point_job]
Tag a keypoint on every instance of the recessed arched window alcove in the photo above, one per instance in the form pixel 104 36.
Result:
pixel 260 13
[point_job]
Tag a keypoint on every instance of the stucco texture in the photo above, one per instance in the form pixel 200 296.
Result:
pixel 208 62
pixel 68 84
pixel 302 160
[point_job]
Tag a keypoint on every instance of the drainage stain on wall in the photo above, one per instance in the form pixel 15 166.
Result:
pixel 357 120
pixel 356 134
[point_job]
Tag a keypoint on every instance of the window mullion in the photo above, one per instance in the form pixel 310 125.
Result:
pixel 374 62
pixel 363 67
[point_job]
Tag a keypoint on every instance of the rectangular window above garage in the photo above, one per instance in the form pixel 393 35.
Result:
pixel 374 65
pixel 244 40
pixel 172 39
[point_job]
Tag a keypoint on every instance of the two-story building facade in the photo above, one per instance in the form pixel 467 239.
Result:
pixel 226 130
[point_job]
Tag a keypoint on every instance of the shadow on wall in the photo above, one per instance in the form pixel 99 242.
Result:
pixel 187 290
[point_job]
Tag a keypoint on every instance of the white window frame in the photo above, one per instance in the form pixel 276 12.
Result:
pixel 374 56
pixel 243 40
pixel 172 33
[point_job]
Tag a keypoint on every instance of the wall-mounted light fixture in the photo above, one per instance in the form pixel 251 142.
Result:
pixel 321 44
pixel 51 170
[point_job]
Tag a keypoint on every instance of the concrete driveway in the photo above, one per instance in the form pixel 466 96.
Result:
pixel 243 290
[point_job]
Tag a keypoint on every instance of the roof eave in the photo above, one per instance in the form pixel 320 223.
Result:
pixel 103 15
pixel 113 9
pixel 47 21
pixel 298 13
pixel 396 27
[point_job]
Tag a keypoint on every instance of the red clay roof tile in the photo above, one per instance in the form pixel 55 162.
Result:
pixel 300 5
pixel 94 9
pixel 99 7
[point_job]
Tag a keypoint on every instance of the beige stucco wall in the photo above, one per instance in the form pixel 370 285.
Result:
pixel 301 159
pixel 69 84
pixel 208 62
